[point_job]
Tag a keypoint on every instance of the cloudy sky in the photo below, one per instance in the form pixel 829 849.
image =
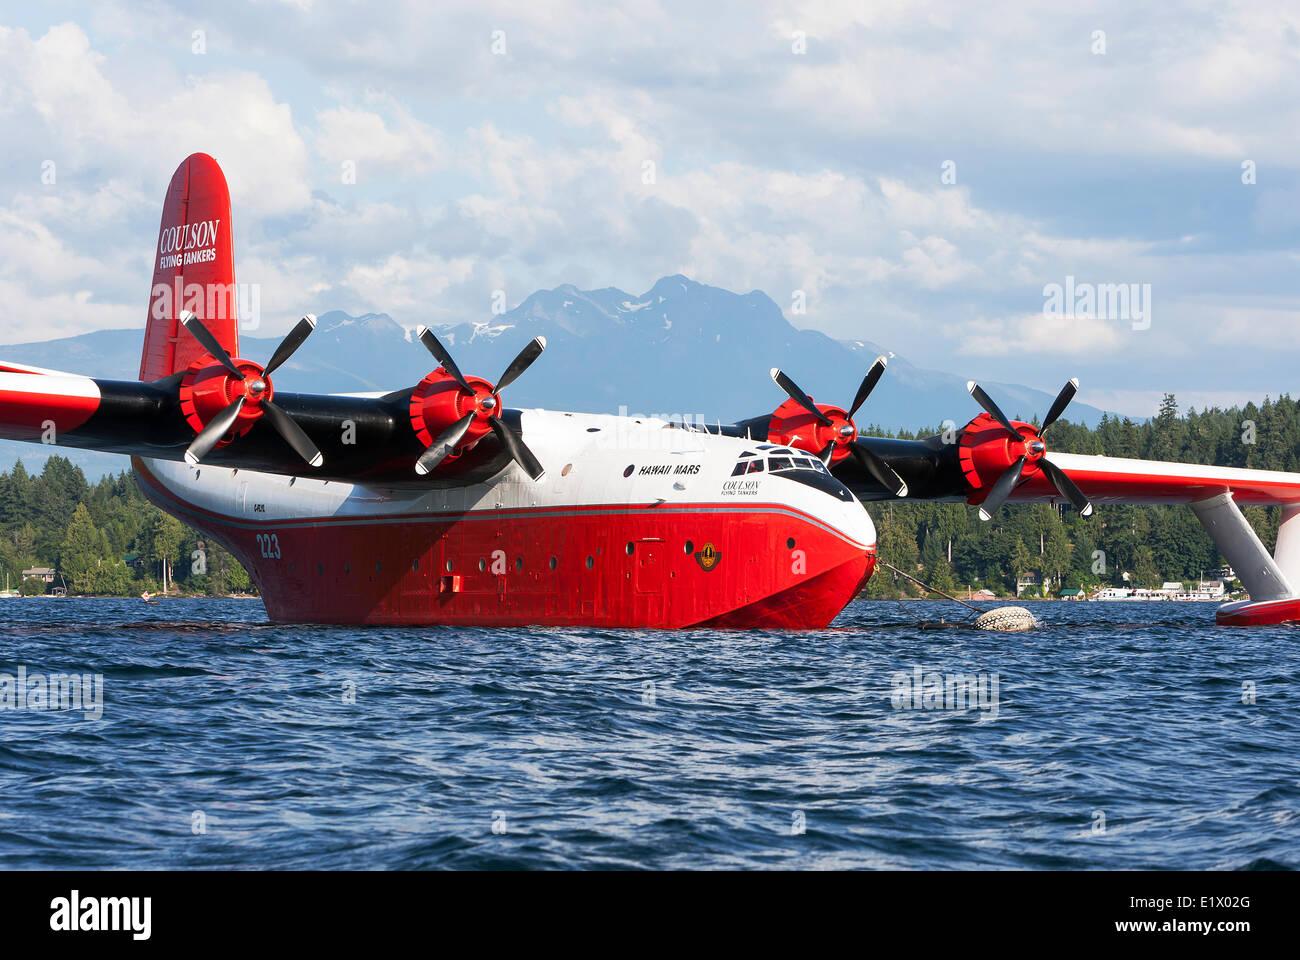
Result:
pixel 921 171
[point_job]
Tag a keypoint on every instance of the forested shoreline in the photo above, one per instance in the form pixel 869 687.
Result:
pixel 106 539
pixel 103 539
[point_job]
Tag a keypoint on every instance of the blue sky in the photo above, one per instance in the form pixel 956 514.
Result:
pixel 795 147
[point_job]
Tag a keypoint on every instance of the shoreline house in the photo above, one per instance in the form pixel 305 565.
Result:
pixel 1029 583
pixel 40 573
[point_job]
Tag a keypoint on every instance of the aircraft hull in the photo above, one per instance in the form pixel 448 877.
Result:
pixel 679 565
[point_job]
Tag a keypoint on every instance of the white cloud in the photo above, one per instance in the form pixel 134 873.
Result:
pixel 397 146
pixel 772 170
pixel 1041 334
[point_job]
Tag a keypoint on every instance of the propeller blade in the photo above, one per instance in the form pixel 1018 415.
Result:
pixel 826 451
pixel 1060 403
pixel 444 445
pixel 291 343
pixel 518 449
pixel 521 363
pixel 1066 487
pixel 440 353
pixel 882 471
pixel 798 396
pixel 211 435
pixel 868 384
pixel 292 433
pixel 1002 489
pixel 209 343
pixel 991 408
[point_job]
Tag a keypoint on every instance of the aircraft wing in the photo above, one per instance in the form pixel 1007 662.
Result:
pixel 1120 480
pixel 360 439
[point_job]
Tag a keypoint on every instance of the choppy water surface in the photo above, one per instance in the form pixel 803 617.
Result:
pixel 228 741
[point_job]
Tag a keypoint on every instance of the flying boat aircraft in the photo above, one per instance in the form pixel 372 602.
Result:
pixel 438 504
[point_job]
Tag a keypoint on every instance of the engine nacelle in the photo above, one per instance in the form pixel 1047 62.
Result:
pixel 986 450
pixel 793 426
pixel 439 401
pixel 208 388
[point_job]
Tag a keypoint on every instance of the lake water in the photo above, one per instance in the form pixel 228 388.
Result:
pixel 1120 735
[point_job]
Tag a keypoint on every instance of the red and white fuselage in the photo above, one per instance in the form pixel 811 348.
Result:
pixel 635 523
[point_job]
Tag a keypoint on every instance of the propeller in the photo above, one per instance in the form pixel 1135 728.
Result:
pixel 256 391
pixel 845 430
pixel 1035 452
pixel 487 401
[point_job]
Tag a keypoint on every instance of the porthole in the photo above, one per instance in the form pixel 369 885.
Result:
pixel 631 548
pixel 591 562
pixel 789 544
pixel 552 563
pixel 450 564
pixel 415 564
pixel 630 468
pixel 320 569
pixel 347 566
pixel 519 563
pixel 688 547
pixel 565 472
pixel 482 564
pixel 379 566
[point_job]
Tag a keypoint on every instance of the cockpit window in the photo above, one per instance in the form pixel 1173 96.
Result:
pixel 747 466
pixel 782 459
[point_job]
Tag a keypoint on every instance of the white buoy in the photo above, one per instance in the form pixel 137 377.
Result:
pixel 1006 620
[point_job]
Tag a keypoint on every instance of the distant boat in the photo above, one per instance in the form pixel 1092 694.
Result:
pixel 7 592
pixel 1114 593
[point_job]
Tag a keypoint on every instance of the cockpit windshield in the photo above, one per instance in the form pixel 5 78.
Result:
pixel 782 460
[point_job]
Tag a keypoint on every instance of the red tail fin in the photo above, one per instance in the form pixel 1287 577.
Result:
pixel 194 269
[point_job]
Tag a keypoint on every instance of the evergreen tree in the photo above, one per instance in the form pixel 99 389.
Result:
pixel 1144 569
pixel 83 552
pixel 1021 560
pixel 1056 556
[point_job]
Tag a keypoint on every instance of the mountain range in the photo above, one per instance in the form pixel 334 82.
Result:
pixel 682 348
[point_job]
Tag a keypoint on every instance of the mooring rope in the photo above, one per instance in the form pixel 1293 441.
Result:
pixel 1001 619
pixel 926 586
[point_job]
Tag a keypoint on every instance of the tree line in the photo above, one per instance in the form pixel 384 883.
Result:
pixel 102 539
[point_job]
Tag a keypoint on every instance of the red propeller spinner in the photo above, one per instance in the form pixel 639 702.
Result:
pixel 1013 451
pixel 464 409
pixel 829 431
pixel 223 400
